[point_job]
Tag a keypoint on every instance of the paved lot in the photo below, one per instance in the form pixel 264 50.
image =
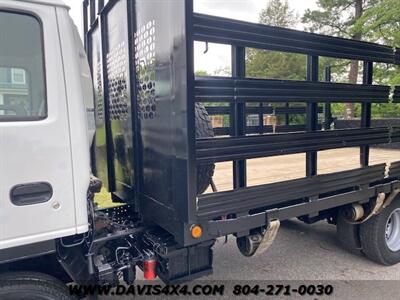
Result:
pixel 309 252
pixel 303 254
pixel 300 252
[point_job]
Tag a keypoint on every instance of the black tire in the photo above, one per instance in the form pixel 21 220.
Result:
pixel 32 286
pixel 348 234
pixel 204 129
pixel 373 240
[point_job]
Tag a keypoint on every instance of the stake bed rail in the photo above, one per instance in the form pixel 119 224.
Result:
pixel 219 89
pixel 226 149
pixel 238 33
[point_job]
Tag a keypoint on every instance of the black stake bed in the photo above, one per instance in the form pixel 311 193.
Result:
pixel 142 59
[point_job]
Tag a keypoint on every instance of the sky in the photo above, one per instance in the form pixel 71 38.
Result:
pixel 218 56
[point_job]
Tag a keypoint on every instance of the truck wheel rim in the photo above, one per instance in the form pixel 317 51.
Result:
pixel 392 233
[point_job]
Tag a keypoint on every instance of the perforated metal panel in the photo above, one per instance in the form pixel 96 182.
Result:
pixel 117 85
pixel 99 92
pixel 145 59
pixel 150 138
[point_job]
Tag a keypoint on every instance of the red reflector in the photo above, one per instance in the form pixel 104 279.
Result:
pixel 149 269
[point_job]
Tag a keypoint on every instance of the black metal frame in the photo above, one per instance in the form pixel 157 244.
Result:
pixel 174 204
pixel 268 195
pixel 226 149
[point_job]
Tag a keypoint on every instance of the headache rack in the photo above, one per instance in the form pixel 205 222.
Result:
pixel 142 58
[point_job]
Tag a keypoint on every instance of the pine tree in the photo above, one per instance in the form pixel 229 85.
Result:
pixel 273 64
pixel 339 18
pixel 369 20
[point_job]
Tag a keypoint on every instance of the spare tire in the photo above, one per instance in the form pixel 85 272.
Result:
pixel 204 129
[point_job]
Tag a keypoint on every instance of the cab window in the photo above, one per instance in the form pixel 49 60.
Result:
pixel 22 76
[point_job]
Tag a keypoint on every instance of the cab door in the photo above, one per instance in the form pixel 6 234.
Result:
pixel 36 175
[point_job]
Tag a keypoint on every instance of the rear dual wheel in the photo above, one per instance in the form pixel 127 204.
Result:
pixel 378 238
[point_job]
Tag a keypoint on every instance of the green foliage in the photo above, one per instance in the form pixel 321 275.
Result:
pixel 339 108
pixel 278 13
pixel 379 110
pixel 337 17
pixel 382 22
pixel 103 199
pixel 272 64
pixel 386 74
pixel 385 110
pixel 201 73
pixel 370 20
pixel 376 21
pixel 275 65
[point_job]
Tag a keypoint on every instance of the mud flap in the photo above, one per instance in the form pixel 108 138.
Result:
pixel 379 204
pixel 269 236
pixel 258 243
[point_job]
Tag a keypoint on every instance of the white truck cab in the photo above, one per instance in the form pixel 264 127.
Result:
pixel 45 134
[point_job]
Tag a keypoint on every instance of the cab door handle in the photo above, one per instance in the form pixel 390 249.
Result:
pixel 31 193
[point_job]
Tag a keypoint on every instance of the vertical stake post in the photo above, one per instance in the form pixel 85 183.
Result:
pixel 312 115
pixel 239 109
